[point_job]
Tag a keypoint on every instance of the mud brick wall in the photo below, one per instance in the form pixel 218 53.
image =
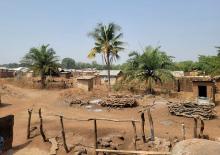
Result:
pixel 6 74
pixel 210 87
pixel 6 131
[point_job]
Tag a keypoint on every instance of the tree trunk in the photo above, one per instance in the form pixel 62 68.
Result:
pixel 43 79
pixel 108 67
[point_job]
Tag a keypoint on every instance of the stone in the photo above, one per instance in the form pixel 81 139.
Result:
pixel 196 147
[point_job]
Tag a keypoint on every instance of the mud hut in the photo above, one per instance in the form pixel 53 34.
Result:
pixel 86 82
pixel 204 88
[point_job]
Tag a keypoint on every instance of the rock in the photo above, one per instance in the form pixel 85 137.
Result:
pixel 81 151
pixel 196 147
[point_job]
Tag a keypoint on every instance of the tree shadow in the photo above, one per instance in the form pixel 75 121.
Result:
pixel 21 146
pixel 2 105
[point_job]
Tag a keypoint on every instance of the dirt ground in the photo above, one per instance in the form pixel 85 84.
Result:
pixel 17 100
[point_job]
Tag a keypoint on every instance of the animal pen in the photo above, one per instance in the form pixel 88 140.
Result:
pixel 95 131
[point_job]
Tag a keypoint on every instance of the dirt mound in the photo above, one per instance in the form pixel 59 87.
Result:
pixel 196 147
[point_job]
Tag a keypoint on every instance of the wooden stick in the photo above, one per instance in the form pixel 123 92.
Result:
pixel 142 127
pixel 195 128
pixel 135 135
pixel 29 123
pixel 134 152
pixel 151 124
pixel 63 135
pixel 95 137
pixel 183 131
pixel 201 128
pixel 41 127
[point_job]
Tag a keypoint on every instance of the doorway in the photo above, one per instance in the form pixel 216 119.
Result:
pixel 202 91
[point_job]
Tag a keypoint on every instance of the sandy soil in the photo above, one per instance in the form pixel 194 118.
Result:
pixel 17 100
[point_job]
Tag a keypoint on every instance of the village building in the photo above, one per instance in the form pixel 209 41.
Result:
pixel 86 82
pixel 204 89
pixel 6 73
pixel 114 76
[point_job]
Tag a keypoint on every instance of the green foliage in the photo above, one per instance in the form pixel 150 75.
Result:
pixel 151 66
pixel 68 63
pixel 42 60
pixel 107 43
pixel 186 66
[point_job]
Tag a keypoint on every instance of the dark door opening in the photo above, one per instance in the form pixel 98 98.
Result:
pixel 202 91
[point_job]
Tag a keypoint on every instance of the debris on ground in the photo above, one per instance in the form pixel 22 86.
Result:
pixel 192 109
pixel 80 151
pixel 54 147
pixel 76 101
pixel 113 141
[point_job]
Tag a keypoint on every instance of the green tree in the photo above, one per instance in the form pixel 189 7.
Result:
pixel 151 66
pixel 218 50
pixel 42 60
pixel 68 63
pixel 107 43
pixel 185 66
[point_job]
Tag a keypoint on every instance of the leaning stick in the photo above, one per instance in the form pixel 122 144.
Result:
pixel 41 127
pixel 29 123
pixel 142 127
pixel 195 128
pixel 63 134
pixel 151 124
pixel 135 135
pixel 95 137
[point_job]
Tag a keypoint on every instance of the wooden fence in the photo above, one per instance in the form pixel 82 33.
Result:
pixel 132 121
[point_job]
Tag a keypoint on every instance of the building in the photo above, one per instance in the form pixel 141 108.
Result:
pixel 204 89
pixel 86 82
pixel 114 76
pixel 6 73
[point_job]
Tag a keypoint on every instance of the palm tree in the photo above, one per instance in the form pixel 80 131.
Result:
pixel 43 61
pixel 107 43
pixel 151 66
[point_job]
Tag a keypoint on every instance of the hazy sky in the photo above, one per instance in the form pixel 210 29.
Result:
pixel 184 28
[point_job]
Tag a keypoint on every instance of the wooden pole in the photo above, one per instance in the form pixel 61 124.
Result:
pixel 41 127
pixel 135 135
pixel 201 128
pixel 29 123
pixel 195 128
pixel 95 137
pixel 63 134
pixel 183 131
pixel 151 124
pixel 142 127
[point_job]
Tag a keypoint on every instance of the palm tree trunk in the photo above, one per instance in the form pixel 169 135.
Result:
pixel 108 68
pixel 43 79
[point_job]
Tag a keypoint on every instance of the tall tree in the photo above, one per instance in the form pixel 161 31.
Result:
pixel 107 42
pixel 42 60
pixel 68 63
pixel 150 66
pixel 218 50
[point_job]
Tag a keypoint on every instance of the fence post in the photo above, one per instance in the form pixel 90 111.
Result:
pixel 29 123
pixel 63 134
pixel 201 128
pixel 151 124
pixel 183 131
pixel 195 128
pixel 142 127
pixel 95 137
pixel 135 135
pixel 41 127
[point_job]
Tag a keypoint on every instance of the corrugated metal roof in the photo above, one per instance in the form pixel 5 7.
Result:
pixel 112 72
pixel 85 77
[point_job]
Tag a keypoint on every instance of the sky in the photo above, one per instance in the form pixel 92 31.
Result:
pixel 183 28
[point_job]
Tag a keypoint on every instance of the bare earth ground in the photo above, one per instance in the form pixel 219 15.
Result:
pixel 18 100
